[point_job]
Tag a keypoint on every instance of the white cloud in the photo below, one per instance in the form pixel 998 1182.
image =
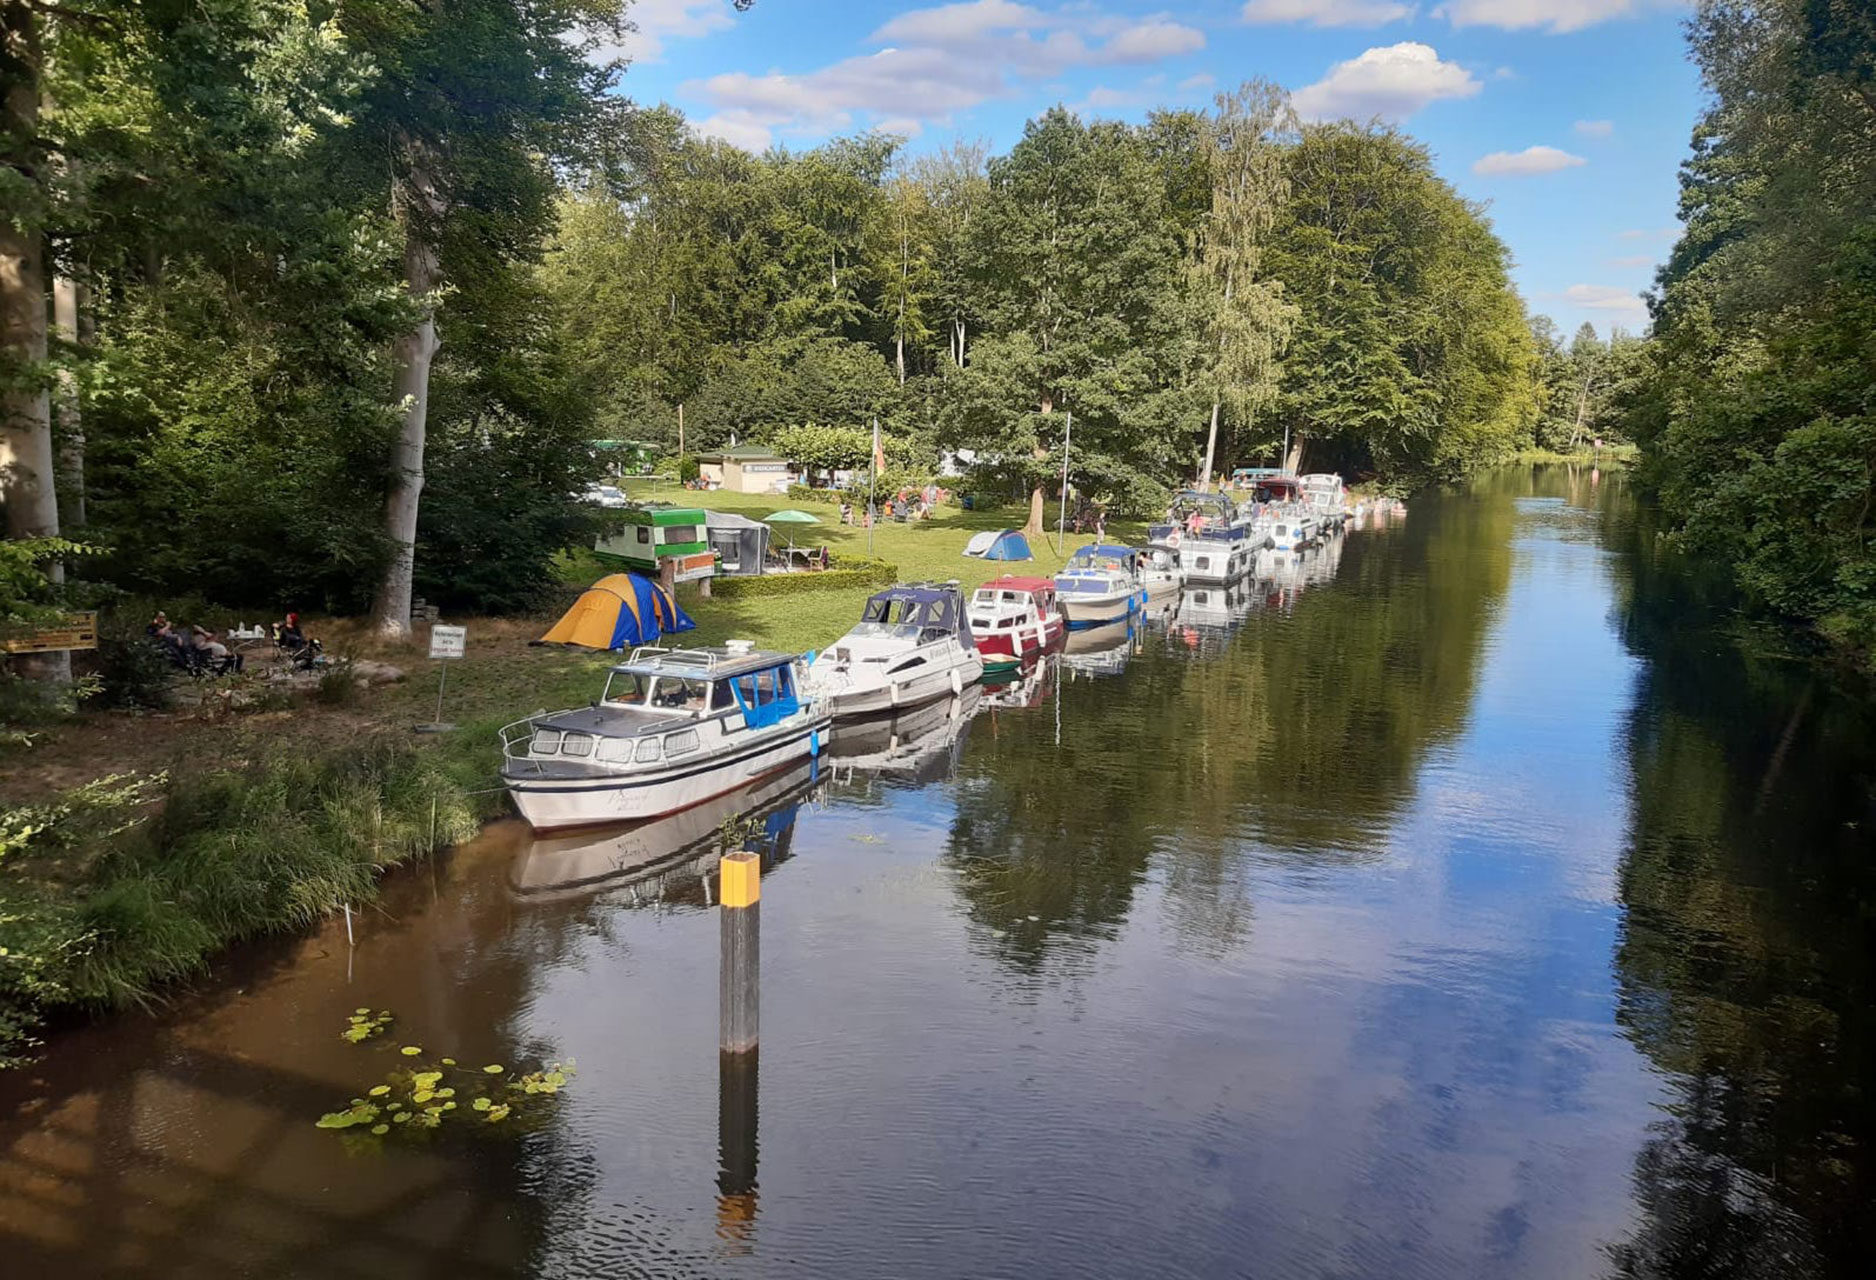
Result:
pixel 1327 13
pixel 1203 80
pixel 1594 128
pixel 936 62
pixel 738 128
pixel 1393 81
pixel 1152 40
pixel 1555 16
pixel 1634 260
pixel 1606 297
pixel 656 21
pixel 1525 163
pixel 1101 97
pixel 1655 233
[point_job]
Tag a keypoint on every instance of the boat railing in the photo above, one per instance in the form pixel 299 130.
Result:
pixel 700 660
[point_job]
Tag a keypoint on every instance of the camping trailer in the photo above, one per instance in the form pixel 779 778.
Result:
pixel 645 537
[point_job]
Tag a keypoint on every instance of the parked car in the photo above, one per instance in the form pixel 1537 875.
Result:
pixel 604 495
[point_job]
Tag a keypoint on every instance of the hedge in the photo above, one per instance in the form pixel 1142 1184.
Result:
pixel 847 572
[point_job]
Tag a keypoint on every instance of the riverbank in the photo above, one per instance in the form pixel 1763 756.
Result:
pixel 135 846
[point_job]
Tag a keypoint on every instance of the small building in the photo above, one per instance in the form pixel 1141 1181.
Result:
pixel 746 469
pixel 643 538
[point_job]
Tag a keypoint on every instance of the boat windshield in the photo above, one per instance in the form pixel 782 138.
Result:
pixel 664 692
pixel 915 613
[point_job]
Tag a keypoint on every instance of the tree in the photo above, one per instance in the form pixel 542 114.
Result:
pixel 473 103
pixel 1247 319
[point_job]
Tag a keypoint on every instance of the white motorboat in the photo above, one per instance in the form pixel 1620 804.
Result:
pixel 912 645
pixel 1291 531
pixel 1160 574
pixel 1099 585
pixel 672 728
pixel 1326 498
pixel 1213 536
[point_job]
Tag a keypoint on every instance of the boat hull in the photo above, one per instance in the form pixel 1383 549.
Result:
pixel 551 801
pixel 1007 650
pixel 1098 611
pixel 898 695
pixel 1213 560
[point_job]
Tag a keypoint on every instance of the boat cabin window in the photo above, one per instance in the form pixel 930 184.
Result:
pixel 577 744
pixel 678 693
pixel 681 743
pixel 647 751
pixel 627 687
pixel 546 742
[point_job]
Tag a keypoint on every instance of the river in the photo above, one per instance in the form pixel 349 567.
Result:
pixel 1462 901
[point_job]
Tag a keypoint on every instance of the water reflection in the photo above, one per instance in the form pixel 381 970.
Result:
pixel 908 747
pixel 1746 965
pixel 1447 904
pixel 668 857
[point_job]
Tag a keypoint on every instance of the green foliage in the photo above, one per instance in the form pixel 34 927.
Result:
pixel 411 1100
pixel 1412 356
pixel 1757 429
pixel 135 671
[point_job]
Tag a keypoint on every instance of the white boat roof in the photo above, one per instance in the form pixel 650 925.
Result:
pixel 712 662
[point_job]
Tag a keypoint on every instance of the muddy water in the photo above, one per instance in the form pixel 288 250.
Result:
pixel 1452 900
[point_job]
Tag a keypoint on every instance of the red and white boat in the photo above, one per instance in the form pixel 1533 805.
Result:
pixel 1013 618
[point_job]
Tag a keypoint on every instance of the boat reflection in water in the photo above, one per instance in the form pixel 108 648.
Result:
pixel 1027 686
pixel 1217 609
pixel 669 858
pixel 1100 651
pixel 916 746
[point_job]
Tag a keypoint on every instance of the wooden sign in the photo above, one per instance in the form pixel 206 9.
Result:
pixel 79 632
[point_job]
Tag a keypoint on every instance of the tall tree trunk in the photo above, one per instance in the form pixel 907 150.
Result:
pixel 422 207
pixel 27 485
pixel 71 480
pixel 1032 529
pixel 1293 460
pixel 1211 451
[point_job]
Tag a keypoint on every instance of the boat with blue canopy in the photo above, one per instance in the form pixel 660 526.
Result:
pixel 672 728
pixel 1100 584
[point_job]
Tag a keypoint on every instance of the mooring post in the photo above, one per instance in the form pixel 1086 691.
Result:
pixel 737 1094
pixel 739 893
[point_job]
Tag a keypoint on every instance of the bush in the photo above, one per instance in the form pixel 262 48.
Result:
pixel 847 572
pixel 688 468
pixel 810 493
pixel 135 671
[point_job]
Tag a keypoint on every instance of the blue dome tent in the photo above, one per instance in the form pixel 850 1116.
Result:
pixel 1008 544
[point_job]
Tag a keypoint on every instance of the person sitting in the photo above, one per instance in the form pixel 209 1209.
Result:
pixel 219 660
pixel 159 628
pixel 288 634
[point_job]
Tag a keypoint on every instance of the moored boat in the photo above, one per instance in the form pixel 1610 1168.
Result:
pixel 1212 534
pixel 671 729
pixel 913 644
pixel 1013 618
pixel 1100 584
pixel 1160 574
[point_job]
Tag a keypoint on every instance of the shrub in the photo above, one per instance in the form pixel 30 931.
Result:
pixel 847 572
pixel 810 493
pixel 688 468
pixel 135 671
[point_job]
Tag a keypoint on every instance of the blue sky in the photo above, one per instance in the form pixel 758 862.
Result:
pixel 1567 117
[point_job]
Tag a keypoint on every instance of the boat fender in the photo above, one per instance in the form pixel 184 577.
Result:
pixel 957 681
pixel 814 742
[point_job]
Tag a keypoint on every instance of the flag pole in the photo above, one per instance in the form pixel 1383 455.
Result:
pixel 1061 511
pixel 872 480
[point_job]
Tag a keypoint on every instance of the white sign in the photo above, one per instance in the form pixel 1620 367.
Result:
pixel 448 642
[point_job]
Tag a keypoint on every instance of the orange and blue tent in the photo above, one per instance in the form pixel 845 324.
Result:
pixel 619 610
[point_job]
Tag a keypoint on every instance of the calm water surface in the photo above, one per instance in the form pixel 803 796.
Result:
pixel 1454 901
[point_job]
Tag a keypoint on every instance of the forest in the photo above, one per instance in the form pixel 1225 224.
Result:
pixel 1757 409
pixel 323 305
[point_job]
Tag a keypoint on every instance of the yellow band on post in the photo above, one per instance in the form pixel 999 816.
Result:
pixel 741 874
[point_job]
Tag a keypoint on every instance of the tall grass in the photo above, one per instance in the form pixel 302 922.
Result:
pixel 269 845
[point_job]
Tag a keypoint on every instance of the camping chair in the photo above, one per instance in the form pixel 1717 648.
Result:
pixel 820 558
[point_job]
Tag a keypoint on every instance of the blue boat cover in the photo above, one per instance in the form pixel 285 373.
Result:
pixel 921 606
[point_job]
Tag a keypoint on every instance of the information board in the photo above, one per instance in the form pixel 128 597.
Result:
pixel 448 642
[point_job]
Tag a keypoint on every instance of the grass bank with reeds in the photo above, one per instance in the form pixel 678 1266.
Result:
pixel 135 845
